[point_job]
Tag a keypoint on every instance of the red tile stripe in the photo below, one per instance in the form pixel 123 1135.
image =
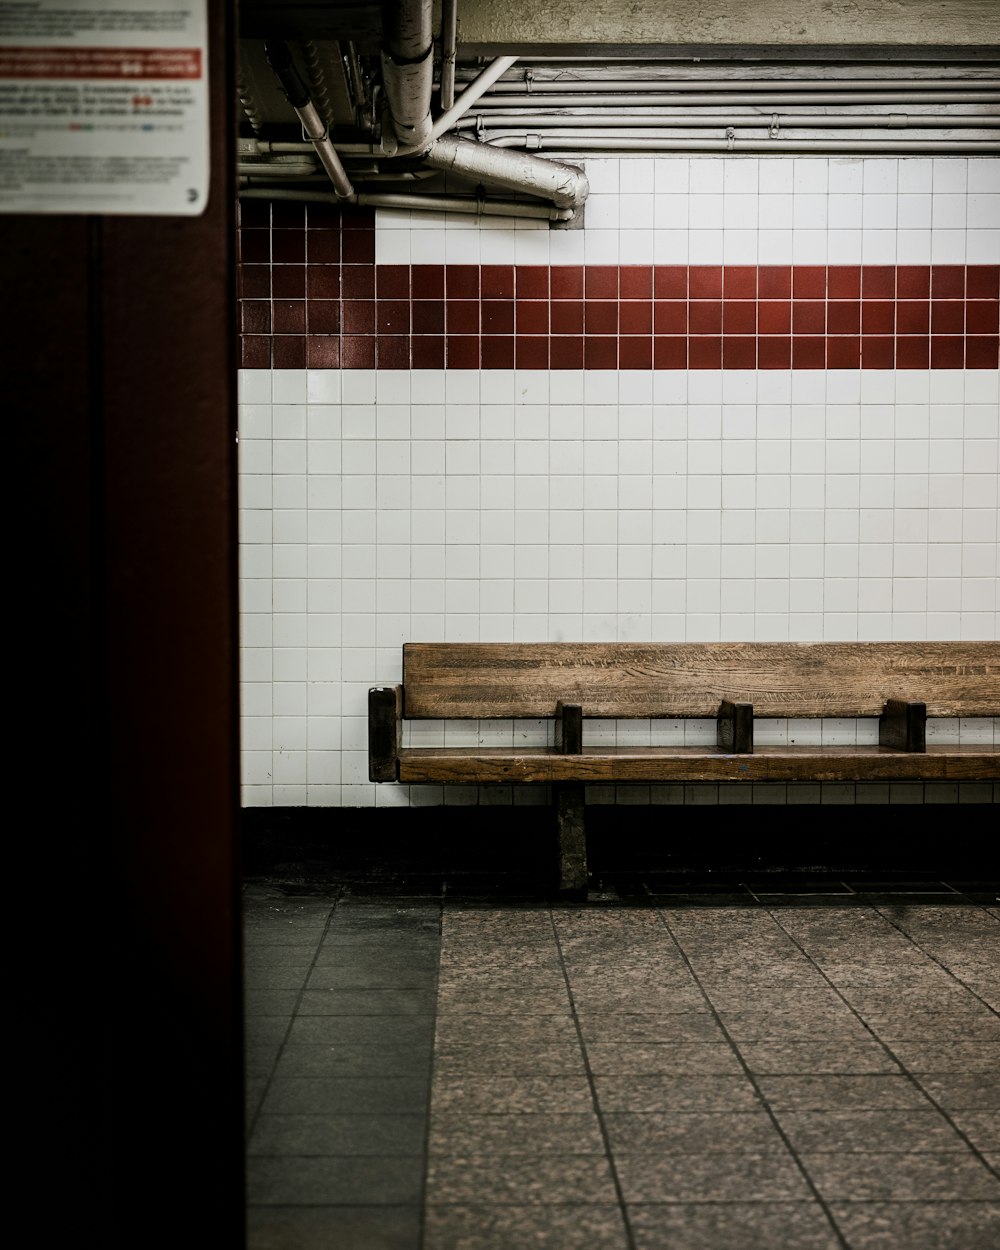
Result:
pixel 315 298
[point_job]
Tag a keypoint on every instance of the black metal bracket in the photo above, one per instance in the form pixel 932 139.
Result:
pixel 385 731
pixel 734 728
pixel 903 726
pixel 569 728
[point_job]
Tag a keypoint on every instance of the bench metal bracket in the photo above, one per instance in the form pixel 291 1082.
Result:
pixel 385 732
pixel 903 726
pixel 734 728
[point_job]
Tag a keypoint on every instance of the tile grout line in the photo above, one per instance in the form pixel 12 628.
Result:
pixel 820 1200
pixel 605 1138
pixel 913 1080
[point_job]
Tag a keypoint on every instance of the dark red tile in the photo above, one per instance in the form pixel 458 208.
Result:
pixel 878 316
pixel 323 217
pixel 357 247
pixel 289 316
pixel 913 351
pixel 877 352
pixel 947 352
pixel 774 353
pixel 323 247
pixel 947 316
pixel 635 352
pixel 287 215
pixel 392 281
pixel 288 247
pixel 843 316
pixel 497 351
pixel 600 317
pixel 427 351
pixel 362 220
pixel 947 282
pixel 913 282
pixel 427 282
pixel 531 351
pixel 774 282
pixel 739 352
pixel 981 316
pixel 392 352
pixel 878 282
pixel 705 282
pixel 739 281
pixel 565 351
pixel 498 316
pixel 913 316
pixel 670 282
pixel 843 282
pixel 809 282
pixel 255 247
pixel 705 316
pixel 359 316
pixel 323 351
pixel 809 353
pixel 808 317
pixel 256 351
pixel 739 316
pixel 531 281
pixel 357 282
pixel 288 351
pixel 255 316
pixel 670 352
pixel 531 316
pixel 670 316
pixel 983 281
pixel 462 316
pixel 392 316
pixel 288 282
pixel 843 352
pixel 600 282
pixel 358 351
pixel 255 281
pixel 323 281
pixel 774 317
pixel 635 316
pixel 254 213
pixel 497 281
pixel 704 352
pixel 566 281
pixel 982 351
pixel 427 316
pixel 635 282
pixel 323 316
pixel 462 281
pixel 566 316
pixel 600 353
pixel 462 351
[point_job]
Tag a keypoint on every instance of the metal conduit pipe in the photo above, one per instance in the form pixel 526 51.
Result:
pixel 449 46
pixel 819 121
pixel 426 203
pixel 644 143
pixel 465 101
pixel 280 59
pixel 666 99
pixel 565 185
pixel 565 86
pixel 408 69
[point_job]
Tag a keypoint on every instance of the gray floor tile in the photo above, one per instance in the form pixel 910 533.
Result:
pixel 502 1001
pixel 483 1095
pixel 869 1130
pixel 651 999
pixel 603 1027
pixel 367 1060
pixel 675 1093
pixel 898 1177
pixel 346 1095
pixel 397 1133
pixel 481 1227
pixel 753 1025
pixel 733 1226
pixel 280 956
pixel 333 1228
pixel 662 1058
pixel 789 1058
pixel 509 1059
pixel 367 1002
pixel 977 1024
pixel 410 1030
pixel 981 1127
pixel 692 1132
pixel 919 1225
pixel 957 1092
pixel 714 1177
pixel 267 978
pixel 951 1056
pixel 832 1093
pixel 338 977
pixel 469 1028
pixel 316 1181
pixel 269 1002
pixel 259 1059
pixel 519 1180
pixel 512 1134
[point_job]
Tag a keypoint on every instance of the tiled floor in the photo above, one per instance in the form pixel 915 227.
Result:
pixel 773 1066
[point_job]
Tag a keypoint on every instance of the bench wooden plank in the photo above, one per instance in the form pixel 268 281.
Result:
pixel 470 765
pixel 639 680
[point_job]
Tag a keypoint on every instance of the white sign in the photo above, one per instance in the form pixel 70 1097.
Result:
pixel 104 106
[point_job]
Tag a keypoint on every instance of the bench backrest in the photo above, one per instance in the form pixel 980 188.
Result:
pixel 481 681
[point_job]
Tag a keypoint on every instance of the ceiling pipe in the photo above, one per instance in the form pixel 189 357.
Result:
pixel 565 185
pixel 563 85
pixel 449 47
pixel 795 99
pixel 478 206
pixel 818 121
pixel 465 101
pixel 408 69
pixel 644 143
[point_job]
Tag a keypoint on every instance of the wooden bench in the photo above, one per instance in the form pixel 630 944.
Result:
pixel 902 684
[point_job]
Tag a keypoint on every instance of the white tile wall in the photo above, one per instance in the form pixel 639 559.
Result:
pixel 384 507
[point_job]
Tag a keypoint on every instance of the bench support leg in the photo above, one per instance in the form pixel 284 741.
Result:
pixel 571 838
